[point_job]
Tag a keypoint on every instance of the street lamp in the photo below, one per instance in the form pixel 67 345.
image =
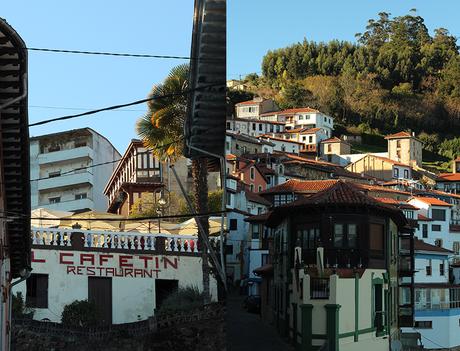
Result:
pixel 162 204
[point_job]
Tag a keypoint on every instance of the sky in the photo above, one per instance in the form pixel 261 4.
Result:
pixel 256 26
pixel 156 27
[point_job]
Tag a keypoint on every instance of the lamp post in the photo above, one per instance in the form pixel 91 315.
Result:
pixel 162 203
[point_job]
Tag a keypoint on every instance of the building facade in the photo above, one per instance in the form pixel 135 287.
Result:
pixel 62 176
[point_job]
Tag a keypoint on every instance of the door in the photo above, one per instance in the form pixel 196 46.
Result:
pixel 164 288
pixel 378 307
pixel 100 293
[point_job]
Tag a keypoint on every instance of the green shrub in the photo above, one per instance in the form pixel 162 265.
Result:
pixel 184 299
pixel 80 313
pixel 19 309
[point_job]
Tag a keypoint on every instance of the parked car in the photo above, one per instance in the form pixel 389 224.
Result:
pixel 252 304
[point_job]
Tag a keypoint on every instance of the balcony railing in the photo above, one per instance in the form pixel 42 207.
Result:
pixel 319 288
pixel 440 305
pixel 130 241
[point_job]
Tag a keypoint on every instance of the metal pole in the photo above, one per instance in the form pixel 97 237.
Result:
pixel 201 229
pixel 224 201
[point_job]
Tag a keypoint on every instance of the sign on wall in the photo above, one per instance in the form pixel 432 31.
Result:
pixel 107 264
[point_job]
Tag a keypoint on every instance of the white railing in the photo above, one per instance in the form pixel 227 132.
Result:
pixel 441 305
pixel 76 238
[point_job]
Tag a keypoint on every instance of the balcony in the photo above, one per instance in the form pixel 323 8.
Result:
pixel 65 180
pixel 65 155
pixel 71 205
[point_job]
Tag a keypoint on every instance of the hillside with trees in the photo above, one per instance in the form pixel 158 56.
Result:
pixel 395 77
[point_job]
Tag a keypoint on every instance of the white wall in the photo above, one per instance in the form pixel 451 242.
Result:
pixel 133 298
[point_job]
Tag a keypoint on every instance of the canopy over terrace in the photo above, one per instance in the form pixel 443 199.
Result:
pixel 93 220
pixel 46 218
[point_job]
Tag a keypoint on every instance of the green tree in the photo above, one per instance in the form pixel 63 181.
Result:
pixel 162 129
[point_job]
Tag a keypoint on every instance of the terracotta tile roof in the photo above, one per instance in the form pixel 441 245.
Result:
pixel 249 102
pixel 230 157
pixel 421 217
pixel 397 203
pixel 442 193
pixel 265 170
pixel 332 140
pixel 420 245
pixel 295 130
pixel 292 111
pixel 258 218
pixel 253 197
pixel 433 201
pixel 449 177
pixel 310 131
pixel 268 138
pixel 382 189
pixel 340 193
pixel 299 186
pixel 399 135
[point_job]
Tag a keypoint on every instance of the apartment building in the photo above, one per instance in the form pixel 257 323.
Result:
pixel 60 179
pixel 405 148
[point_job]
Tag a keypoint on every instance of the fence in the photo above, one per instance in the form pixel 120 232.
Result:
pixel 59 238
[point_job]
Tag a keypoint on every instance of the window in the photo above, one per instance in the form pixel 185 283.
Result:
pixel 338 235
pixel 300 117
pixel 37 291
pixel 252 173
pixel 255 231
pixel 425 230
pixel 329 148
pixel 428 268
pixel 398 154
pixel 233 224
pixel 253 126
pixel 310 139
pixel 456 247
pixel 406 174
pixel 229 126
pixel 398 143
pixel 424 324
pixel 309 237
pixel 80 143
pixel 435 227
pixel 229 249
pixel 80 196
pixel 395 173
pixel 54 174
pixel 438 215
pixel 54 200
pixel 345 235
pixel 438 242
pixel 376 237
pixel 441 269
pixel 260 127
pixel 251 187
pixel 307 116
pixel 259 188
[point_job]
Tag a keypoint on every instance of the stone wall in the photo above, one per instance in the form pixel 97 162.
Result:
pixel 194 331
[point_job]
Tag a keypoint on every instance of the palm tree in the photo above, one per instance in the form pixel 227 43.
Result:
pixel 162 130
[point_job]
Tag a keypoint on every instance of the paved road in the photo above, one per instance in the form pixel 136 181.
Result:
pixel 247 332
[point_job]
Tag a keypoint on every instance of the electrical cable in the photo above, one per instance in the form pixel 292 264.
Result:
pixel 114 107
pixel 119 54
pixel 423 336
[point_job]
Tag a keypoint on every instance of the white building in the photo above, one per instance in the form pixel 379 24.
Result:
pixel 434 217
pixel 58 173
pixel 304 117
pixel 126 274
pixel 254 108
pixel 437 301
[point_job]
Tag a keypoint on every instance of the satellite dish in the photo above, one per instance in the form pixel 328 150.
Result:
pixel 395 345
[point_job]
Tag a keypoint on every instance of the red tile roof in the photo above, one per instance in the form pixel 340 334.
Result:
pixel 450 177
pixel 249 102
pixel 399 135
pixel 299 186
pixel 332 140
pixel 292 111
pixel 230 156
pixel 421 217
pixel 382 189
pixel 433 201
pixel 311 131
pixel 268 138
pixel 253 197
pixel 389 160
pixel 420 245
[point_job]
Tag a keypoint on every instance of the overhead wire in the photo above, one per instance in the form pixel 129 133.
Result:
pixel 114 107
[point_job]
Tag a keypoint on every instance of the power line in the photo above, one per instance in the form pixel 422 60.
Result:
pixel 114 107
pixel 106 53
pixel 77 108
pixel 137 219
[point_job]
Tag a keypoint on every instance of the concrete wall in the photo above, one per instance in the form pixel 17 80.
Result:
pixel 133 295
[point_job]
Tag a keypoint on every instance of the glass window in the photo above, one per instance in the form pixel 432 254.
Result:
pixel 352 235
pixel 436 228
pixel 395 173
pixel 338 235
pixel 255 231
pixel 438 215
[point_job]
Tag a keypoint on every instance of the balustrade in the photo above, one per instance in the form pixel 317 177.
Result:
pixel 77 239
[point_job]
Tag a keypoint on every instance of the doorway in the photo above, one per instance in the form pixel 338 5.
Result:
pixel 164 288
pixel 100 293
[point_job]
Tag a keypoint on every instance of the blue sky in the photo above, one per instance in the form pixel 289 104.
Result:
pixel 64 80
pixel 256 26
